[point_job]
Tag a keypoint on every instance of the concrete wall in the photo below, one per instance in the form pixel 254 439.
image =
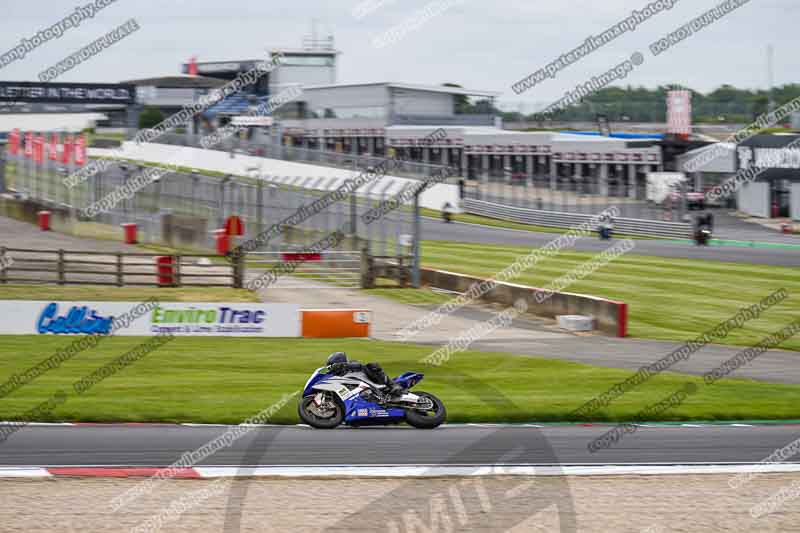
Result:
pixel 753 199
pixel 27 211
pixel 795 201
pixel 182 231
pixel 610 317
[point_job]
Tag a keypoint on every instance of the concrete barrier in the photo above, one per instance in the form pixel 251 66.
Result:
pixel 26 209
pixel 611 317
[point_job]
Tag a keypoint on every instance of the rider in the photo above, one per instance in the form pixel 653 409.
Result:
pixel 340 366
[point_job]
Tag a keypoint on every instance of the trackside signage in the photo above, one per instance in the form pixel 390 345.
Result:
pixel 196 319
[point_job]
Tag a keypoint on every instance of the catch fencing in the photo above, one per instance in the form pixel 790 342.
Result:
pixel 626 226
pixel 184 209
pixel 584 196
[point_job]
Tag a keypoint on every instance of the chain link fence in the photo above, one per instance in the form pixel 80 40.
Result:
pixel 185 209
pixel 584 196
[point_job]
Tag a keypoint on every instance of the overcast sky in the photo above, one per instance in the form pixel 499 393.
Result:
pixel 487 45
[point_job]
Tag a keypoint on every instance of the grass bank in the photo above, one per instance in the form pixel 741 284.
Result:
pixel 98 293
pixel 468 218
pixel 670 299
pixel 215 380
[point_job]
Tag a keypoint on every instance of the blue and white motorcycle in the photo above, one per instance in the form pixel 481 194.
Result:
pixel 353 399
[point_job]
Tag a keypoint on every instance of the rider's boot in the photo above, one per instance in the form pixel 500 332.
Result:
pixel 394 391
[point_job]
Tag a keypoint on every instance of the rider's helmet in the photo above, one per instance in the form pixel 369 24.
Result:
pixel 337 357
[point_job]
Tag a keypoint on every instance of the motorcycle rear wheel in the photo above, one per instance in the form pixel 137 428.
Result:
pixel 427 419
pixel 316 421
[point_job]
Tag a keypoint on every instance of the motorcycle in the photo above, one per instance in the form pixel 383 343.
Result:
pixel 353 399
pixel 703 236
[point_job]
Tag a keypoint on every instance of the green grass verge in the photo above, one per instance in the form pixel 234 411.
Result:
pixel 97 293
pixel 670 299
pixel 214 380
pixel 412 296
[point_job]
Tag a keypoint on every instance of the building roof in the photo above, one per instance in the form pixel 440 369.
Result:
pixel 179 82
pixel 411 87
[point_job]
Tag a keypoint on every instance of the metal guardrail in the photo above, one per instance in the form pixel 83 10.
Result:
pixel 330 269
pixel 556 219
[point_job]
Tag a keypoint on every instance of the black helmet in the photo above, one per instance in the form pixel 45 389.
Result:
pixel 337 357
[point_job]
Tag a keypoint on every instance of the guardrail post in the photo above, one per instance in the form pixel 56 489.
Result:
pixel 119 270
pixel 60 267
pixel 353 214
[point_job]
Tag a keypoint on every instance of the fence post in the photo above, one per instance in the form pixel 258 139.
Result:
pixel 354 215
pixel 238 269
pixel 2 170
pixel 120 273
pixel 177 271
pixel 3 266
pixel 61 277
pixel 221 218
pixel 416 280
pixel 367 273
pixel 259 207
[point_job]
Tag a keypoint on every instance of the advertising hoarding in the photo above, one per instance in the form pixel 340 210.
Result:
pixel 195 319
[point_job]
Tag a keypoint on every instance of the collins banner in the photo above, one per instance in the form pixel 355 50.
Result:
pixel 149 318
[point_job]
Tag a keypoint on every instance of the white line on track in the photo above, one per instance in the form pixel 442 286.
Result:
pixel 423 471
pixel 429 471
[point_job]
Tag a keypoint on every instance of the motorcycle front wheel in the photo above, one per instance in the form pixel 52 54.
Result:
pixel 326 416
pixel 429 418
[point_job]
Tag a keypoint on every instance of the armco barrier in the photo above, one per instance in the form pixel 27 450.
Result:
pixel 610 317
pixel 557 219
pixel 335 323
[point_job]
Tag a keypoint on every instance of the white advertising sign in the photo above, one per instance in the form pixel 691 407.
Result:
pixel 679 112
pixel 20 317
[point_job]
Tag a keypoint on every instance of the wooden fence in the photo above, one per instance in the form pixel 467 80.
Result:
pixel 65 267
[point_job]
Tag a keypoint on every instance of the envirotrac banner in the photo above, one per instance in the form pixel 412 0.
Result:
pixel 22 317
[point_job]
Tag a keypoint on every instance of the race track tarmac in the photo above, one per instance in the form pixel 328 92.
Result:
pixel 161 445
pixel 436 230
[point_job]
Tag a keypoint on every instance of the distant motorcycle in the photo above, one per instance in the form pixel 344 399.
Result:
pixel 330 400
pixel 703 237
pixel 447 216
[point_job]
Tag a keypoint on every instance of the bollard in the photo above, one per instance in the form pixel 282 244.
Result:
pixel 166 269
pixel 223 241
pixel 44 220
pixel 130 233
